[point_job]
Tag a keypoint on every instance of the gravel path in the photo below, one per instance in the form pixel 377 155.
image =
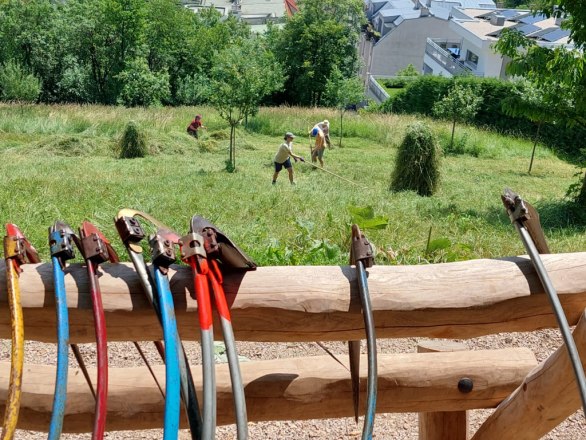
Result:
pixel 387 426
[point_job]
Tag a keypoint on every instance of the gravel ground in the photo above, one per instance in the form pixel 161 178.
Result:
pixel 387 426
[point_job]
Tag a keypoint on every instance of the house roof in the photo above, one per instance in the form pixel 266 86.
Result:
pixel 398 12
pixel 472 12
pixel 538 27
pixel 291 7
pixel 274 8
pixel 467 4
pixel 395 9
pixel 482 28
pixel 391 10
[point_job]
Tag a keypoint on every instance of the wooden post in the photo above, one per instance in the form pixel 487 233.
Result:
pixel 442 425
pixel 548 395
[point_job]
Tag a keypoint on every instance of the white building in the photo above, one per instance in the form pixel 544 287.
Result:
pixel 399 29
pixel 477 30
pixel 257 13
pixel 398 33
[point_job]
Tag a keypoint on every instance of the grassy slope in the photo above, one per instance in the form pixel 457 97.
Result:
pixel 57 162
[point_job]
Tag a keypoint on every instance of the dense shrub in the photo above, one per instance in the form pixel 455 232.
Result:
pixel 141 86
pixel 394 83
pixel 16 84
pixel 132 144
pixel 417 165
pixel 577 192
pixel 74 84
pixel 193 90
pixel 420 96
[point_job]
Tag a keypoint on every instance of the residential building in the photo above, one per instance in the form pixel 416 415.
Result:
pixel 398 31
pixel 257 13
pixel 397 35
pixel 477 30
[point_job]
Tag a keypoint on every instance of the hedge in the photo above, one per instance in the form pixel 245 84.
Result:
pixel 420 95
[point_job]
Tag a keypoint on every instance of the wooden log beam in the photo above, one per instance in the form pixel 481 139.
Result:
pixel 283 389
pixel 548 395
pixel 309 303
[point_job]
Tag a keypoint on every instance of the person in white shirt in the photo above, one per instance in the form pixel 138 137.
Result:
pixel 283 158
pixel 325 128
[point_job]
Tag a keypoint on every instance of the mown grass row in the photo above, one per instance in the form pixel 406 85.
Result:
pixel 59 162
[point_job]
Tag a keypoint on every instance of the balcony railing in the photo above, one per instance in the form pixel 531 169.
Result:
pixel 446 60
pixel 377 90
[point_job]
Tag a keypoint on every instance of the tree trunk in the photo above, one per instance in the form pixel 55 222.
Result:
pixel 230 149
pixel 341 127
pixel 534 146
pixel 453 131
pixel 233 147
pixel 581 200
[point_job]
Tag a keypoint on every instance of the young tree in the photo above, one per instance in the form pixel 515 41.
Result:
pixel 560 70
pixel 538 104
pixel 242 76
pixel 342 92
pixel 459 105
pixel 554 71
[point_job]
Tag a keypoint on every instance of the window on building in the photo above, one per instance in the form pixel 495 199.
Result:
pixel 427 70
pixel 471 58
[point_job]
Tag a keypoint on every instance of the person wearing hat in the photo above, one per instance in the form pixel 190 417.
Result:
pixel 317 151
pixel 325 127
pixel 283 158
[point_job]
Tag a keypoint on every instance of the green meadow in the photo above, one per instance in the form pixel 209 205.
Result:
pixel 60 163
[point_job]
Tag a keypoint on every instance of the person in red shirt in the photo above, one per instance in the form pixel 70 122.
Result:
pixel 195 125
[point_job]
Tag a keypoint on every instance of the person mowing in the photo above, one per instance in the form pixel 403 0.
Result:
pixel 283 158
pixel 195 125
pixel 320 144
pixel 325 127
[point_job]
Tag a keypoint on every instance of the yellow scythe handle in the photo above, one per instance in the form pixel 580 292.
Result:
pixel 17 358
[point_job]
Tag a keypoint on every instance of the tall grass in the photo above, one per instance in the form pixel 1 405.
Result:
pixel 383 129
pixel 58 162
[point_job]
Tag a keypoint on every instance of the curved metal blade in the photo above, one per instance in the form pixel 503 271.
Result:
pixel 127 212
pixel 354 355
pixel 219 246
pixel 61 226
pixel 362 256
pixel 30 254
pixel 169 234
pixel 88 229
pixel 522 211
